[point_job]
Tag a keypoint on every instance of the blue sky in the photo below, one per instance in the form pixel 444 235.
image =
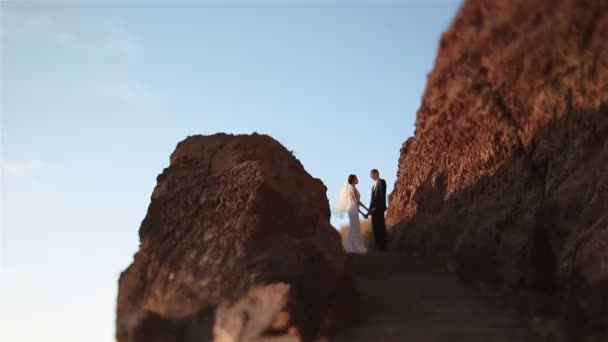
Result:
pixel 95 96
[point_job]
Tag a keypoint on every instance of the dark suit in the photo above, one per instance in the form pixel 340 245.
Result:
pixel 377 207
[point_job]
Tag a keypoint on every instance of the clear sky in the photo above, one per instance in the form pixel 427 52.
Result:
pixel 95 96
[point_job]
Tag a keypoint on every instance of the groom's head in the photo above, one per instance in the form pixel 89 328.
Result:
pixel 374 174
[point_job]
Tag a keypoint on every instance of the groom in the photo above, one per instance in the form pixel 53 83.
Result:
pixel 377 207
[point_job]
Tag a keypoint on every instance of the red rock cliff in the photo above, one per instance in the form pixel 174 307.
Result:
pixel 236 246
pixel 506 178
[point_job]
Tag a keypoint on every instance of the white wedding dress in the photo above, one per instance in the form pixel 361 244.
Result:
pixel 354 241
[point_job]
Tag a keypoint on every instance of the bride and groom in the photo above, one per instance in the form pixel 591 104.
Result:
pixel 350 202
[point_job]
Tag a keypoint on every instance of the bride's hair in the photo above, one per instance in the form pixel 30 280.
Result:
pixel 351 179
pixel 344 199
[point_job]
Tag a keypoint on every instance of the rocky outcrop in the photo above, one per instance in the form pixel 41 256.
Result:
pixel 506 177
pixel 236 246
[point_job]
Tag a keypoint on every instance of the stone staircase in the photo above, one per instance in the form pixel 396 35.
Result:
pixel 406 300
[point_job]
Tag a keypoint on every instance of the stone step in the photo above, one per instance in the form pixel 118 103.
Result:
pixel 442 331
pixel 373 263
pixel 412 286
pixel 424 338
pixel 435 312
pixel 405 299
pixel 445 320
pixel 431 335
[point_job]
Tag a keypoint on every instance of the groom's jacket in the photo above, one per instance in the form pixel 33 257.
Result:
pixel 378 201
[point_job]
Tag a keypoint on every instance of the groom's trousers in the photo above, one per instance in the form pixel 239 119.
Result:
pixel 379 228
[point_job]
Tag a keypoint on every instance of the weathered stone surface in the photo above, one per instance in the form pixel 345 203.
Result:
pixel 505 178
pixel 237 241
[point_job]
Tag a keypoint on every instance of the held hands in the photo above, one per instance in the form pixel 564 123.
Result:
pixel 369 212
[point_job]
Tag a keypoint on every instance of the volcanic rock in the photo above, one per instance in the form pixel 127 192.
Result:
pixel 236 246
pixel 506 177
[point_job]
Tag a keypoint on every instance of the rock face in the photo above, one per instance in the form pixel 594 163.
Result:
pixel 236 246
pixel 506 178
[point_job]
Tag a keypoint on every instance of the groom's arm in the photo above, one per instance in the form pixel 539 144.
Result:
pixel 374 202
pixel 383 193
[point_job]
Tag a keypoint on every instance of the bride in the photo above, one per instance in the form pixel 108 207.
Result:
pixel 349 203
